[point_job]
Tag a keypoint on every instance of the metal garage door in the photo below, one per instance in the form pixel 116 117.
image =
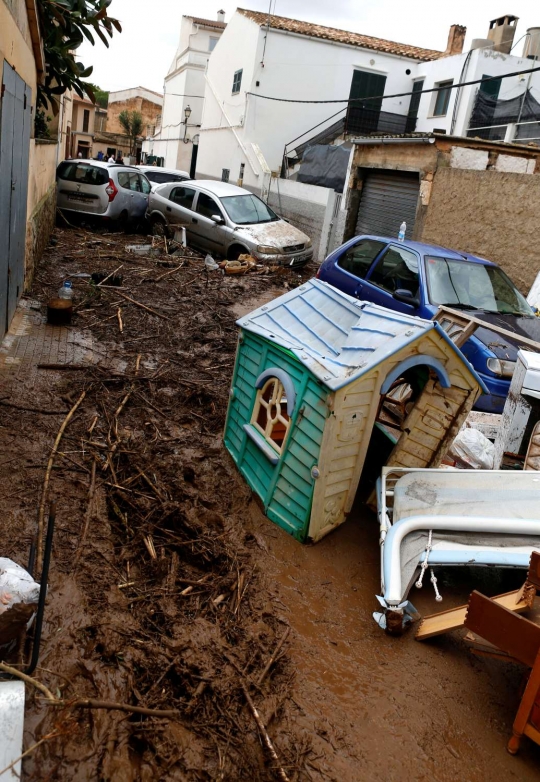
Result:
pixel 388 198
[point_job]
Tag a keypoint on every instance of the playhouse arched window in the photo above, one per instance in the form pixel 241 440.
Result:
pixel 270 414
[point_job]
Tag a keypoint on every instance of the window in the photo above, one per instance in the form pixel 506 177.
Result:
pixel 490 88
pixel 237 81
pixel 145 185
pixel 161 177
pixel 412 115
pixel 248 210
pixel 357 260
pixel 442 98
pixel 397 270
pixel 270 416
pixel 129 181
pixel 206 206
pixel 83 173
pixel 212 44
pixel 363 113
pixel 473 286
pixel 183 196
pixel 86 120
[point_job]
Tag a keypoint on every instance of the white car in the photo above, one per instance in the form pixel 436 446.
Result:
pixel 160 176
pixel 227 220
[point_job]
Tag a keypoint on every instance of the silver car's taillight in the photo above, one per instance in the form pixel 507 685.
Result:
pixel 111 190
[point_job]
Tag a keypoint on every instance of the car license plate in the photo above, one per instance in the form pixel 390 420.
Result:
pixel 78 197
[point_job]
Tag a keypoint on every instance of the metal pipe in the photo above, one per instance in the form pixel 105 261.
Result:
pixel 383 140
pixel 42 591
pixel 391 577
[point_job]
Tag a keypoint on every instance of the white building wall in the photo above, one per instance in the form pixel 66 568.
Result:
pixel 469 66
pixel 295 66
pixel 184 86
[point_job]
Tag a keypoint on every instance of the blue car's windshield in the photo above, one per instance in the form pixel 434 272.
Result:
pixel 466 285
pixel 248 210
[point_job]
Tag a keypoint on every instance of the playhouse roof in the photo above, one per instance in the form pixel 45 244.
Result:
pixel 338 337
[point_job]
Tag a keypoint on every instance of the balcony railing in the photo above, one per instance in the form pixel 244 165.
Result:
pixel 362 120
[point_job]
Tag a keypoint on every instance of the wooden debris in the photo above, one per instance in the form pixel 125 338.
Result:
pixel 45 489
pixel 437 624
pixel 264 733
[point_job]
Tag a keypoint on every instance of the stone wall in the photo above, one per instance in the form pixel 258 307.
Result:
pixel 150 112
pixel 492 214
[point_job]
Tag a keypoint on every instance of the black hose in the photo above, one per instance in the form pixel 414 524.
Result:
pixel 42 591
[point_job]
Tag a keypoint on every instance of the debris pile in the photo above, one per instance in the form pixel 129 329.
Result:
pixel 169 615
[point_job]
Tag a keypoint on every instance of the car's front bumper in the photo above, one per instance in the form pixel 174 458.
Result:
pixel 286 259
pixel 498 391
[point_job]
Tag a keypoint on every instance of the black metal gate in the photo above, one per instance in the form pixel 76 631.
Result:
pixel 388 199
pixel 15 118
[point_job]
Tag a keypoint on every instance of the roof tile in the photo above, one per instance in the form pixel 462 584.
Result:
pixel 341 36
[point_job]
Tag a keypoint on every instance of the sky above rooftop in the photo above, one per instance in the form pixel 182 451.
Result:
pixel 143 53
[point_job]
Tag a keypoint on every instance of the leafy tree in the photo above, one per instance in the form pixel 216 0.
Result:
pixel 101 96
pixel 65 24
pixel 132 122
pixel 42 124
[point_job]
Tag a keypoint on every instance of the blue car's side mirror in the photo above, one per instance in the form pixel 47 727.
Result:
pixel 406 297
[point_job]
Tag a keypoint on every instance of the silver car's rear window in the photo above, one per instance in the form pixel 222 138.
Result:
pixel 83 173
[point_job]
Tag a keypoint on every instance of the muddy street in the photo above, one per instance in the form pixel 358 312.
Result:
pixel 171 592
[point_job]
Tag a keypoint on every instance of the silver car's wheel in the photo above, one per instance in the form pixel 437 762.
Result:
pixel 159 226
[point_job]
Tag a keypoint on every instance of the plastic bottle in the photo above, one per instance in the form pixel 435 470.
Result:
pixel 66 291
pixel 60 309
pixel 402 229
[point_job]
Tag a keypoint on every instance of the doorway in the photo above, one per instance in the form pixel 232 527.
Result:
pixel 15 118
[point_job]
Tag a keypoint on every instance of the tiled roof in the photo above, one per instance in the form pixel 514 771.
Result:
pixel 341 36
pixel 207 22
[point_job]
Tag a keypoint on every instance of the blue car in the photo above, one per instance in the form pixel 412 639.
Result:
pixel 416 278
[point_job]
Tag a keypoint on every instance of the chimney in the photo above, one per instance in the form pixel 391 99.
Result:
pixel 456 38
pixel 221 16
pixel 501 32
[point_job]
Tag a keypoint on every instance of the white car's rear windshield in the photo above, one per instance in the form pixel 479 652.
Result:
pixel 247 210
pixel 83 173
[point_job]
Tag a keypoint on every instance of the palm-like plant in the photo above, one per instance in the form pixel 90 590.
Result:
pixel 132 122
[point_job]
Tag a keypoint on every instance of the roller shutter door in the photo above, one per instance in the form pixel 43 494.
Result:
pixel 388 198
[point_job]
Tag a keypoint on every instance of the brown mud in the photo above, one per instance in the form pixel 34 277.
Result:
pixel 170 590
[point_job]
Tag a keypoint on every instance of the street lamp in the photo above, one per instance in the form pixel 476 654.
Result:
pixel 187 115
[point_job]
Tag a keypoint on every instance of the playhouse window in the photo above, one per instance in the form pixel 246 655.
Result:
pixel 270 415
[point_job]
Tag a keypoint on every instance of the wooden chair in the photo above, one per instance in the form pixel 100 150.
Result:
pixel 518 639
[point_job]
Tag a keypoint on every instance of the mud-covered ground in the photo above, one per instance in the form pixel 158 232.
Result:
pixel 169 590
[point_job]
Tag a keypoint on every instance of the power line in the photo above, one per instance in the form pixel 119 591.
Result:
pixel 399 94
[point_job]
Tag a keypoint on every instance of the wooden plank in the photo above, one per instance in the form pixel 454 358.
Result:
pixel 437 624
pixel 492 327
pixel 503 628
pixel 534 569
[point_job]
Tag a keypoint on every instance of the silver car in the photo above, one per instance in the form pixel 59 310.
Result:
pixel 160 176
pixel 110 191
pixel 226 220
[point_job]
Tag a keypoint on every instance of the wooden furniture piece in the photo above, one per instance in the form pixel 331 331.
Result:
pixel 517 639
pixel 460 325
pixel 518 601
pixel 437 624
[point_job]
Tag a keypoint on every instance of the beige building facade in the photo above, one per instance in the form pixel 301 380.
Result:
pixel 27 165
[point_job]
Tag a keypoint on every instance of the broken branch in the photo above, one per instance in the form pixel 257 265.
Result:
pixel 45 490
pixel 266 738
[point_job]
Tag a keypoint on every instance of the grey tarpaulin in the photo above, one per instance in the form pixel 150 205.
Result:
pixel 325 166
pixel 488 111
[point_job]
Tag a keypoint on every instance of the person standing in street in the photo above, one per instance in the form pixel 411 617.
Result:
pixel 111 159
